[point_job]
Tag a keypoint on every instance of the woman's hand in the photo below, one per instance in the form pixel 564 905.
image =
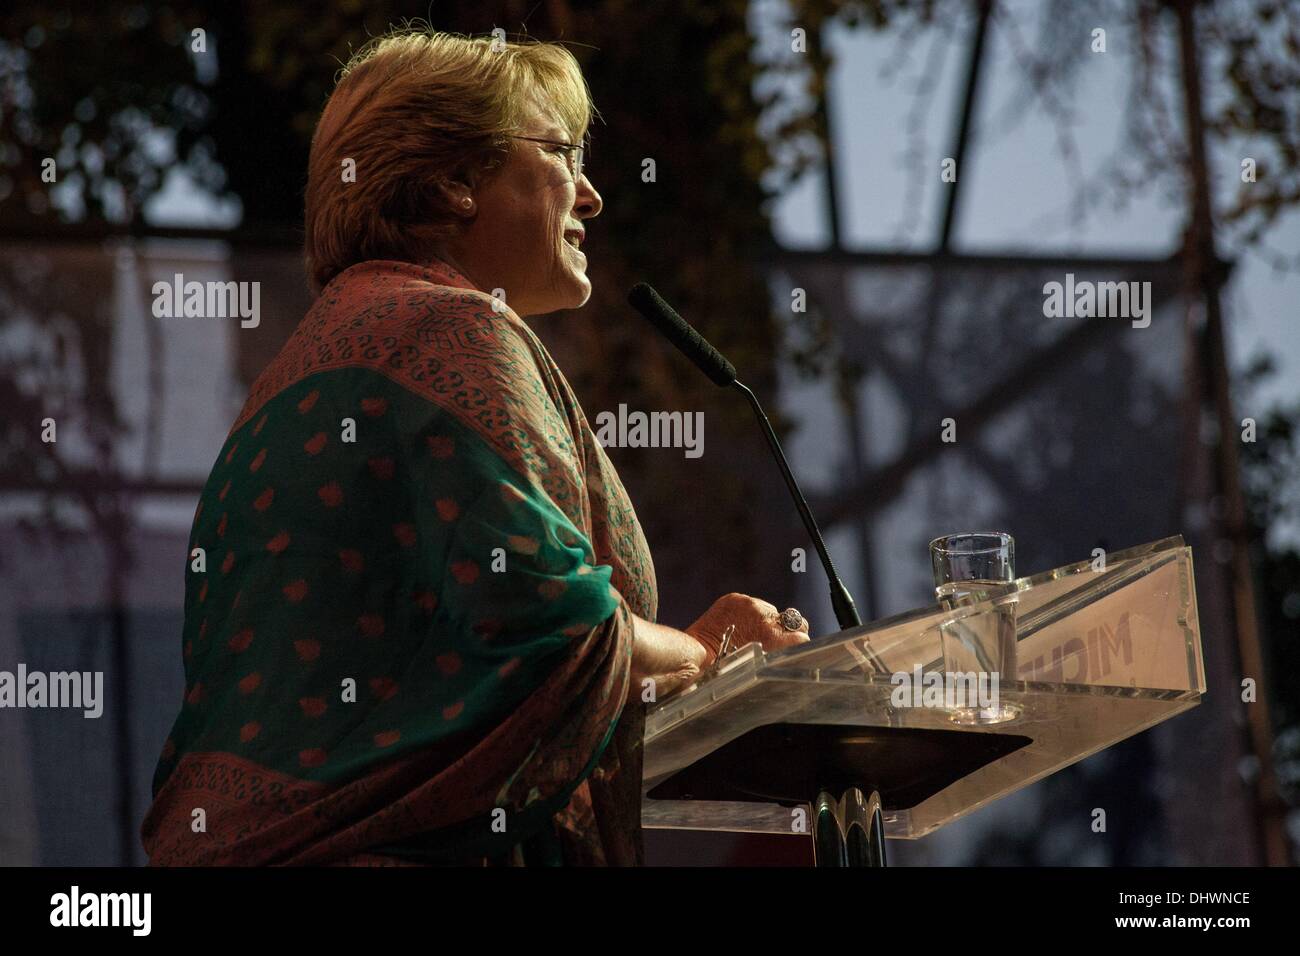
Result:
pixel 755 620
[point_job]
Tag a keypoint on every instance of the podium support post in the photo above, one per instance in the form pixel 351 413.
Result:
pixel 849 831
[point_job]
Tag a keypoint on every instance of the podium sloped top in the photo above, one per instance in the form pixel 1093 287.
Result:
pixel 1101 653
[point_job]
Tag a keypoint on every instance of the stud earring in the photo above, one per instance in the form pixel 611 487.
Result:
pixel 466 202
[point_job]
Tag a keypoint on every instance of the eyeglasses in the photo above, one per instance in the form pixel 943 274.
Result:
pixel 573 152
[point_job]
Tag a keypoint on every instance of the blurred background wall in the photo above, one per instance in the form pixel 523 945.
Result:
pixel 799 216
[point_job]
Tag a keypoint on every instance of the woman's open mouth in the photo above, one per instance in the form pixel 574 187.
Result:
pixel 573 240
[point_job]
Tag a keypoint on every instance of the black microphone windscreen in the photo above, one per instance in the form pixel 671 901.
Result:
pixel 678 331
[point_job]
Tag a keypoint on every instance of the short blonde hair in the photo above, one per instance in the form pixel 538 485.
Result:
pixel 411 109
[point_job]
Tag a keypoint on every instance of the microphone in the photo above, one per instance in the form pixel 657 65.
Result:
pixel 723 374
pixel 676 330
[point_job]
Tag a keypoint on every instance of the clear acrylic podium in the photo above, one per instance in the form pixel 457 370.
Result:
pixel 807 740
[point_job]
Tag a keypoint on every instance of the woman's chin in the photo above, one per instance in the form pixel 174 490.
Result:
pixel 569 289
pixel 584 293
pixel 577 290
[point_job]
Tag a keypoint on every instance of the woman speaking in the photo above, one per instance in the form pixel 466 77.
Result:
pixel 419 605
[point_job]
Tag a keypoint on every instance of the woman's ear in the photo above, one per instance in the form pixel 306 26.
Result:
pixel 458 195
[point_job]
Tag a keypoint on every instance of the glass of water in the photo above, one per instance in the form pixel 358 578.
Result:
pixel 979 652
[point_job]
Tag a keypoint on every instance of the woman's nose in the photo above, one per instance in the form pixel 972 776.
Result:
pixel 587 203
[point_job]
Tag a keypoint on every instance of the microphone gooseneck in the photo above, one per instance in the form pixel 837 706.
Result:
pixel 723 374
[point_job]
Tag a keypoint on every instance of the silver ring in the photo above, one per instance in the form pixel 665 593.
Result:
pixel 791 619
